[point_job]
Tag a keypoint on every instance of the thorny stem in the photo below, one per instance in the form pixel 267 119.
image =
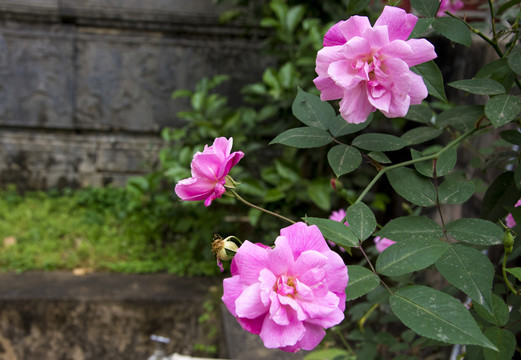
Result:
pixel 238 197
pixel 372 267
pixel 503 268
pixel 414 161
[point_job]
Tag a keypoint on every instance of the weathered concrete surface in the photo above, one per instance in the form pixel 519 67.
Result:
pixel 101 69
pixel 57 315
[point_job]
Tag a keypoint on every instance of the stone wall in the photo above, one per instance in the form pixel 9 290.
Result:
pixel 85 86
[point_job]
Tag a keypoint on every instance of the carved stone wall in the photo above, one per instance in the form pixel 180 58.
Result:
pixel 85 86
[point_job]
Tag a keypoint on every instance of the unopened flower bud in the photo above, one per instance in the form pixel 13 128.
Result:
pixel 223 249
pixel 508 242
pixel 336 184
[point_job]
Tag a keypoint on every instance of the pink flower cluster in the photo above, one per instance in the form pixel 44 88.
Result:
pixel 291 293
pixel 367 67
pixel 209 171
pixel 449 5
pixel 510 219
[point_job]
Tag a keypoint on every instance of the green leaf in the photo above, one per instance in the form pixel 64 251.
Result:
pixel 343 159
pixel 420 113
pixel 335 231
pixel 426 168
pixel 303 137
pixel 421 27
pixel 514 60
pixel 379 156
pixel 379 142
pixel 319 191
pixel 512 136
pixel 327 354
pixel 361 220
pixel 409 255
pixel 462 118
pixel 470 271
pixel 427 8
pixel 516 272
pixel 502 193
pixel 447 161
pixel 500 312
pixel 453 29
pixel 475 231
pixel 455 192
pixel 504 340
pixel 294 17
pixel 502 109
pixel 356 6
pixel 412 187
pixel 339 127
pixel 312 111
pixel 498 70
pixel 436 315
pixel 411 227
pixel 421 134
pixel 361 281
pixel 432 78
pixel 480 86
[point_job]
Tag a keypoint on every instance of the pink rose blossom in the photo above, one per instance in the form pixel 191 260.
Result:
pixel 367 67
pixel 338 215
pixel 449 5
pixel 209 170
pixel 510 219
pixel 382 243
pixel 291 293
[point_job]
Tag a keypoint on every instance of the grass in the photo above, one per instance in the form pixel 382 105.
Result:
pixel 94 229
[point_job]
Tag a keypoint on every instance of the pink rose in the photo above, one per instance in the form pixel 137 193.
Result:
pixel 291 293
pixel 368 67
pixel 382 243
pixel 449 5
pixel 209 170
pixel 338 215
pixel 510 219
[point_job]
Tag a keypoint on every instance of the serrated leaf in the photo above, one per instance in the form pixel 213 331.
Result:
pixel 361 281
pixel 479 86
pixel 512 136
pixel 411 227
pixel 436 315
pixel 453 29
pixel 470 271
pixel 409 255
pixel 426 168
pixel 312 111
pixel 502 193
pixel 420 113
pixel 421 134
pixel 516 272
pixel 500 313
pixel 335 231
pixel 446 161
pixel 504 340
pixel 455 192
pixel 343 159
pixel 427 8
pixel 379 156
pixel 502 109
pixel 412 186
pixel 421 27
pixel 361 220
pixel 475 231
pixel 462 118
pixel 514 60
pixel 339 127
pixel 379 142
pixel 303 137
pixel 432 78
